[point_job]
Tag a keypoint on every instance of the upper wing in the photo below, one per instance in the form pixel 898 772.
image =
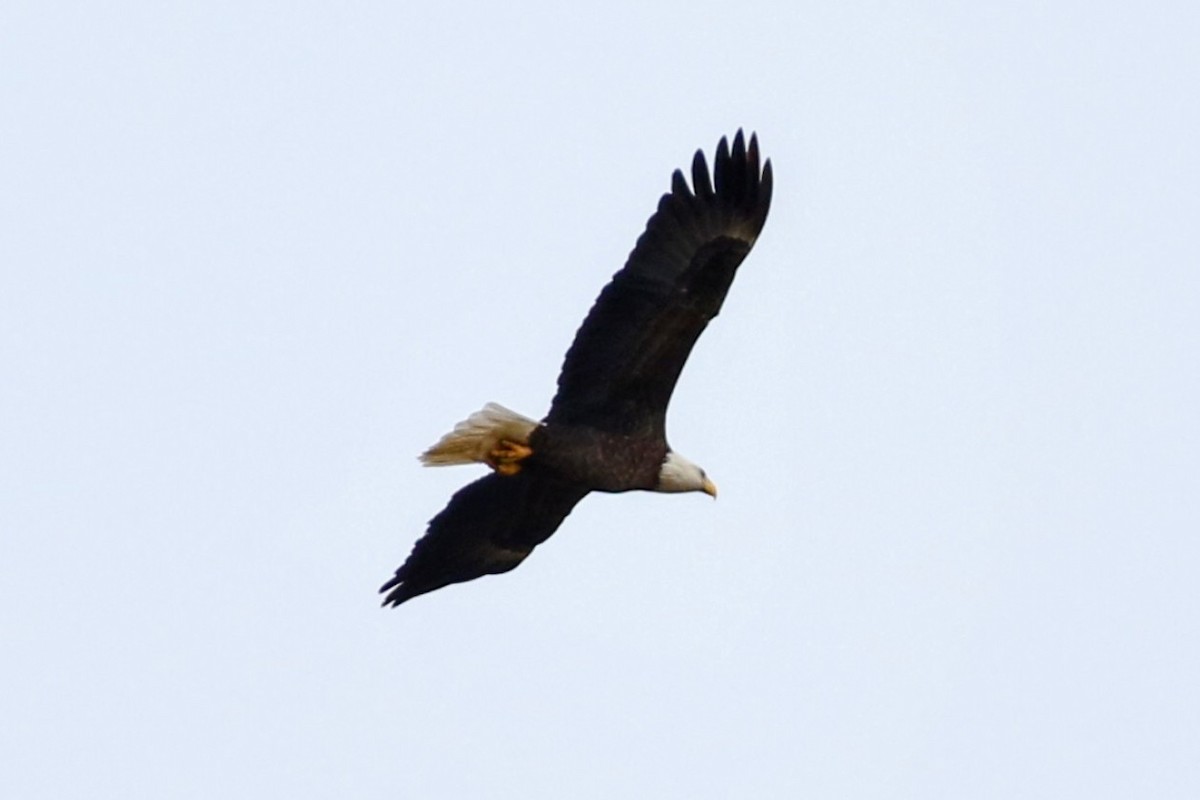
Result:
pixel 488 527
pixel 627 356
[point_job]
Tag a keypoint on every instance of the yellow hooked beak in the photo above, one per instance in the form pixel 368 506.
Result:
pixel 709 488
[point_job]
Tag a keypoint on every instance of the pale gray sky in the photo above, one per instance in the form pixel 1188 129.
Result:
pixel 256 256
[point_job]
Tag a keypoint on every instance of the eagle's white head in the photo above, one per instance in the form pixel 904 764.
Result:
pixel 680 475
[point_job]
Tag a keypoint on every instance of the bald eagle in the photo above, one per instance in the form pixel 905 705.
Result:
pixel 606 429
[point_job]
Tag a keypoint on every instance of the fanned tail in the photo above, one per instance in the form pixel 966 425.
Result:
pixel 478 435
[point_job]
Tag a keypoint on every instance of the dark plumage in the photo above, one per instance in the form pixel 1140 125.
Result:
pixel 606 427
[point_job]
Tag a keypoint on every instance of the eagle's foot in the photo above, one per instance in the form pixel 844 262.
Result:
pixel 506 457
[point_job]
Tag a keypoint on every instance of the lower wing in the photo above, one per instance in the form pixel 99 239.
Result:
pixel 489 527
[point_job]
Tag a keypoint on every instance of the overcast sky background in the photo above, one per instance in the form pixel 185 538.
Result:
pixel 255 257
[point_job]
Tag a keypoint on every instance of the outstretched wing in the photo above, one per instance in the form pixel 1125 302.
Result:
pixel 488 527
pixel 619 373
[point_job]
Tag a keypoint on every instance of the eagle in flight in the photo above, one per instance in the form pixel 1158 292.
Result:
pixel 606 429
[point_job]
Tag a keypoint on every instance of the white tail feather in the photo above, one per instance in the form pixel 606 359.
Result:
pixel 477 435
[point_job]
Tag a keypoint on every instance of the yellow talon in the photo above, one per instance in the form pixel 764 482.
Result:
pixel 506 456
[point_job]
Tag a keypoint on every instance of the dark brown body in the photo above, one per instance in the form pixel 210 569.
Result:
pixel 599 461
